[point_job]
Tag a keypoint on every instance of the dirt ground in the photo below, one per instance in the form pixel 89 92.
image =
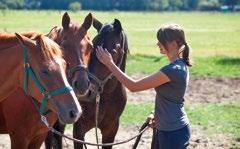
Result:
pixel 200 90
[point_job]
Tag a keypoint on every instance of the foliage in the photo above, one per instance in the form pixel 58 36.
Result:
pixel 32 4
pixel 209 5
pixel 74 6
pixel 156 4
pixel 193 4
pixel 16 4
pixel 153 5
pixel 55 4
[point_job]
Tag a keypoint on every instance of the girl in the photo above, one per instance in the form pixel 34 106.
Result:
pixel 170 83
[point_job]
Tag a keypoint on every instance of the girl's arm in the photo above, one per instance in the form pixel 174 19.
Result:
pixel 148 82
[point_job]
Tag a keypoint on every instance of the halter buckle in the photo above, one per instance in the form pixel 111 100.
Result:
pixel 46 93
pixel 44 120
pixel 26 65
pixel 98 98
pixel 49 96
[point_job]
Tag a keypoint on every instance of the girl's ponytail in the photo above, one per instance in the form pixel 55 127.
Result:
pixel 185 55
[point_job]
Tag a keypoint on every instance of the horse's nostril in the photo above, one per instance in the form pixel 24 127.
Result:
pixel 75 84
pixel 89 93
pixel 72 114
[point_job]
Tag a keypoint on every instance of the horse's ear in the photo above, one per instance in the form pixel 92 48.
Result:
pixel 117 26
pixel 65 20
pixel 25 41
pixel 51 34
pixel 88 21
pixel 97 24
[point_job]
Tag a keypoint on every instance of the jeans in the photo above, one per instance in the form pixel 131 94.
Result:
pixel 177 139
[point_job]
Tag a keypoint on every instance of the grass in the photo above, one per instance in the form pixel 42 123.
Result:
pixel 217 118
pixel 209 66
pixel 214 118
pixel 214 37
pixel 136 114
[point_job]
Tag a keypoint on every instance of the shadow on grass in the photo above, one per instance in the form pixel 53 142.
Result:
pixel 229 61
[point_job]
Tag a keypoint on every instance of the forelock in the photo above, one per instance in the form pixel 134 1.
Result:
pixel 106 29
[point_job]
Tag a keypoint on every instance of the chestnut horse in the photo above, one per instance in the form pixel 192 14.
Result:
pixel 112 93
pixel 75 44
pixel 43 62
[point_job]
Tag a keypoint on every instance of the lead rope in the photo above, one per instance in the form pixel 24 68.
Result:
pixel 96 118
pixel 44 120
pixel 102 83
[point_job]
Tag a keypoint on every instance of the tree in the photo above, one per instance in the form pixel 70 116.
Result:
pixel 208 5
pixel 156 4
pixel 74 6
pixel 193 4
pixel 176 4
pixel 55 4
pixel 12 4
pixel 32 4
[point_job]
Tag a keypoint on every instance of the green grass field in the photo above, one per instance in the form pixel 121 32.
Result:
pixel 214 37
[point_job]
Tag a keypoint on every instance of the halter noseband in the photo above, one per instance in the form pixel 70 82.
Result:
pixel 76 68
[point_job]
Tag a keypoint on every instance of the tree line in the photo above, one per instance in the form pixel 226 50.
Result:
pixel 149 5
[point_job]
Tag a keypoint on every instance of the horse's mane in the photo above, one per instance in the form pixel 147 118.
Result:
pixel 54 49
pixel 9 39
pixel 48 47
pixel 126 51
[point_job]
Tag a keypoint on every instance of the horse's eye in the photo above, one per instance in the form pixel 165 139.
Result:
pixel 45 73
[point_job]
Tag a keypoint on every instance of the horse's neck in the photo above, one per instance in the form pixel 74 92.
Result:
pixel 11 60
pixel 9 40
pixel 8 44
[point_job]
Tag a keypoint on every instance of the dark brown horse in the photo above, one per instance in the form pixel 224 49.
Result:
pixel 75 45
pixel 112 93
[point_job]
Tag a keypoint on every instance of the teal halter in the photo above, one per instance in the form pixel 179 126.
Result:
pixel 46 94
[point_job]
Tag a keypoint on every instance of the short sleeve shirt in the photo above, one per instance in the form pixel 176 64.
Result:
pixel 169 110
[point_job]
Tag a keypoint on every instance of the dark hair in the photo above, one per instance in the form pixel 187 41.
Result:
pixel 174 32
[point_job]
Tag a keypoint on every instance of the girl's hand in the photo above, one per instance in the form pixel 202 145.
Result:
pixel 104 56
pixel 151 120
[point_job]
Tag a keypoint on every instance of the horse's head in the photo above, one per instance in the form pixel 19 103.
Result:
pixel 111 37
pixel 45 77
pixel 76 47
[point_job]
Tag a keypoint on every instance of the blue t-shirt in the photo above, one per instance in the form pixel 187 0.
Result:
pixel 169 111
